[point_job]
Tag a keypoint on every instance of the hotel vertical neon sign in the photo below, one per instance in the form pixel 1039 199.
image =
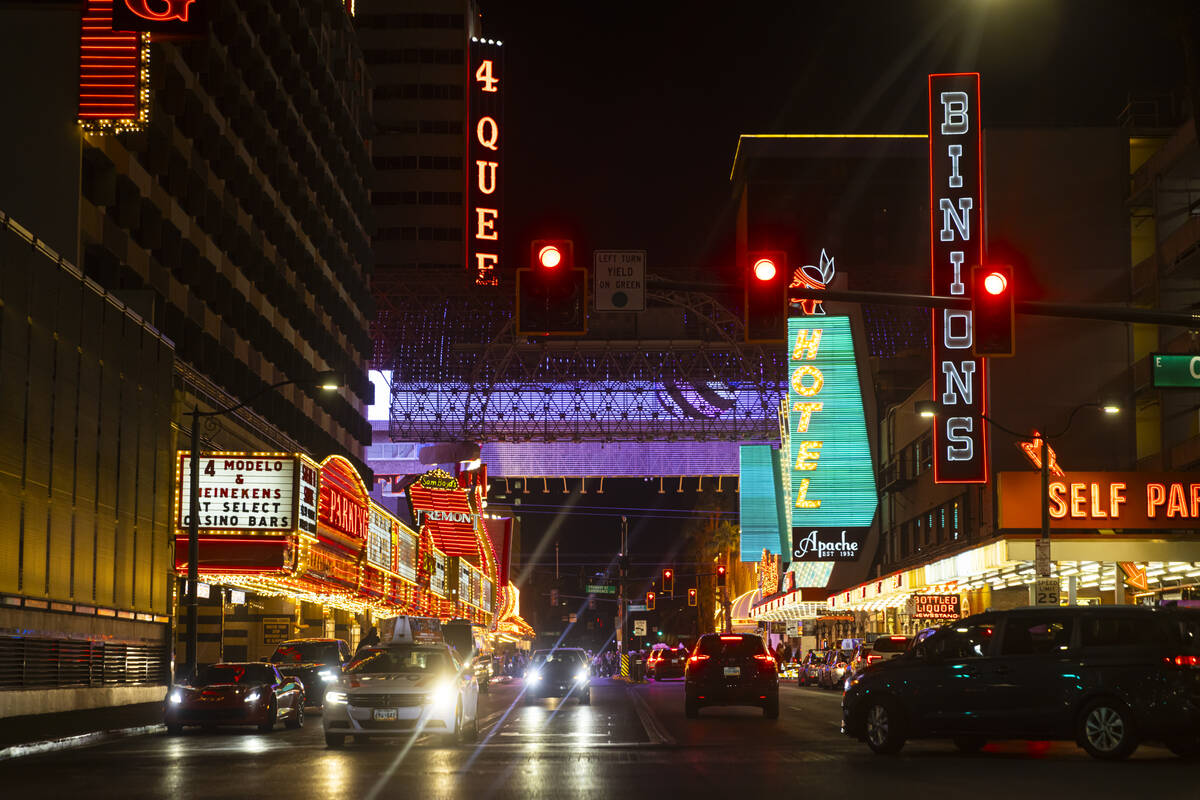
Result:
pixel 483 161
pixel 956 244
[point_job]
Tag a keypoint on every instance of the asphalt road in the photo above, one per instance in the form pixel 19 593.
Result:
pixel 632 742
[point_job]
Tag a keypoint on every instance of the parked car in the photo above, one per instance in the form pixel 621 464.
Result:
pixel 316 663
pixel 810 667
pixel 561 672
pixel 394 689
pixel 883 648
pixel 235 693
pixel 731 670
pixel 1106 677
pixel 833 672
pixel 470 641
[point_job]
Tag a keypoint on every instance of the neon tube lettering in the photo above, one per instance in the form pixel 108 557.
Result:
pixel 961 222
pixel 1058 504
pixel 954 378
pixel 955 153
pixel 960 447
pixel 954 113
pixel 956 261
pixel 486 170
pixel 952 340
pixel 1156 495
pixel 487 133
pixel 485 223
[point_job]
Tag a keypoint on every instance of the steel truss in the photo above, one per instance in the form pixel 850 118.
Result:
pixel 450 383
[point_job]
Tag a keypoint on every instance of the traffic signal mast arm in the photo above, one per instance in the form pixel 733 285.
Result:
pixel 1039 308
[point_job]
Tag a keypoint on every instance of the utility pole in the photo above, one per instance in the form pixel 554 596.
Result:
pixel 622 608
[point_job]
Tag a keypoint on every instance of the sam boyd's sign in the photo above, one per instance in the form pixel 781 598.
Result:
pixel 827 544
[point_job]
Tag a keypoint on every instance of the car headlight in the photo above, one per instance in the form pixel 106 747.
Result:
pixel 581 676
pixel 328 675
pixel 443 698
pixel 251 695
pixel 175 698
pixel 534 676
pixel 335 698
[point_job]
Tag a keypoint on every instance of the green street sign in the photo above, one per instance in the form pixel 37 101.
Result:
pixel 1175 371
pixel 601 588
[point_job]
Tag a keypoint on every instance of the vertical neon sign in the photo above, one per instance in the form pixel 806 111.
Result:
pixel 956 244
pixel 483 161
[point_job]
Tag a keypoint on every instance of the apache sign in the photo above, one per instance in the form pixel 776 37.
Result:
pixel 827 544
pixel 956 244
pixel 1112 500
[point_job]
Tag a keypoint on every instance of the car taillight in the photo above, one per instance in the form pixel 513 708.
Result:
pixel 873 659
pixel 1182 661
pixel 696 659
pixel 765 660
pixel 731 638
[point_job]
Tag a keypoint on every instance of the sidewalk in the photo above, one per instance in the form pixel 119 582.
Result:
pixel 40 733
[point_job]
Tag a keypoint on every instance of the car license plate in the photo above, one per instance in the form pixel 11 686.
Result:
pixel 733 671
pixel 386 715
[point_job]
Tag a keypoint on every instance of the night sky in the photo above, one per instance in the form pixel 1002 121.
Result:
pixel 623 117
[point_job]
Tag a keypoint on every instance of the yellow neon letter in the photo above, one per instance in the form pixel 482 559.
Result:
pixel 805 346
pixel 806 459
pixel 806 411
pixel 802 500
pixel 487 176
pixel 818 380
pixel 484 228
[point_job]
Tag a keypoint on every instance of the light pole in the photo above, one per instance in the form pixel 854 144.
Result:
pixel 328 381
pixel 930 408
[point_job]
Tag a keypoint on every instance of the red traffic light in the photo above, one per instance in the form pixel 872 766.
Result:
pixel 995 283
pixel 549 256
pixel 764 269
pixel 667 574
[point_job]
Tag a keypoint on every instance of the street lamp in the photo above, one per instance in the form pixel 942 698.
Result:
pixel 930 408
pixel 328 381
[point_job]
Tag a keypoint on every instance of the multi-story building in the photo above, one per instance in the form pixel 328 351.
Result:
pixel 221 209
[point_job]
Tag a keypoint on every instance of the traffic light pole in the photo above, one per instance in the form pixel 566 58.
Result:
pixel 622 605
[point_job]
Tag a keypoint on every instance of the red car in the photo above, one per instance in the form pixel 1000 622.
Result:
pixel 236 694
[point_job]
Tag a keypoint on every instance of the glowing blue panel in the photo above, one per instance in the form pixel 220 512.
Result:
pixel 759 502
pixel 833 480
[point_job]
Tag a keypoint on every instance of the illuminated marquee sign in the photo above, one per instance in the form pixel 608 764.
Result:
pixel 483 161
pixel 343 499
pixel 1111 500
pixel 833 483
pixel 956 244
pixel 936 606
pixel 114 71
pixel 242 492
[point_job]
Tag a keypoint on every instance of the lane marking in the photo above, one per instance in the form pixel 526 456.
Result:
pixel 654 730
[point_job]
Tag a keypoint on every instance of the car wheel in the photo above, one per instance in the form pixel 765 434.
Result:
pixel 884 728
pixel 174 730
pixel 1106 730
pixel 297 718
pixel 691 707
pixel 771 708
pixel 969 744
pixel 1183 747
pixel 334 741
pixel 272 716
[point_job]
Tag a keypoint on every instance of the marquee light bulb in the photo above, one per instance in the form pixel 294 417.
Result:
pixel 764 269
pixel 550 256
pixel 995 283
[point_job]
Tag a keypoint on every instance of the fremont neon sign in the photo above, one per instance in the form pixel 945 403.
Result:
pixel 833 483
pixel 956 244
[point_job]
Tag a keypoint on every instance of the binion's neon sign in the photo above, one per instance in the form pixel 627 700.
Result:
pixel 956 243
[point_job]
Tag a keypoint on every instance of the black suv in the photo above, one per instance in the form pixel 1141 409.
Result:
pixel 731 670
pixel 1105 677
pixel 315 662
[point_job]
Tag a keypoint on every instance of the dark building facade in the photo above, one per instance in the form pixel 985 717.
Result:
pixel 233 225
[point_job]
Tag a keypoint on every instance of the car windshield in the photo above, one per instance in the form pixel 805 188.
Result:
pixel 731 646
pixel 234 673
pixel 890 644
pixel 556 656
pixel 307 653
pixel 411 659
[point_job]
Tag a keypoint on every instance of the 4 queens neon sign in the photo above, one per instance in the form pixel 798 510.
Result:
pixel 483 159
pixel 956 244
pixel 160 10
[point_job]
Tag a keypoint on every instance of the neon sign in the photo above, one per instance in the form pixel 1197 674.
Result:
pixel 1107 500
pixel 163 11
pixel 812 276
pixel 483 162
pixel 956 244
pixel 833 483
